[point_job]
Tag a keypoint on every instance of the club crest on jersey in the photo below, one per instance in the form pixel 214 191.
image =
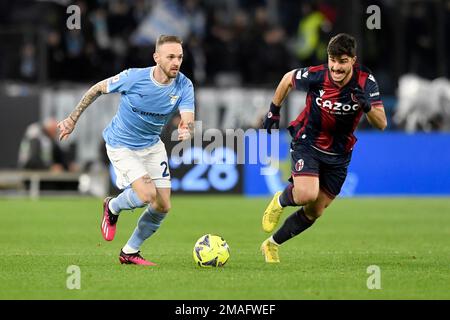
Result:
pixel 353 97
pixel 173 98
pixel 299 165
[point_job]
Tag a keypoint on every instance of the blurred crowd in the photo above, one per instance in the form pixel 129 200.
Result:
pixel 40 149
pixel 227 42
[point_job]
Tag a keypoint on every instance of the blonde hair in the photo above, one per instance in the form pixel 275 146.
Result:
pixel 167 39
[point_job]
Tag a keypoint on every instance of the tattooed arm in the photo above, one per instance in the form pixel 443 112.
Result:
pixel 186 126
pixel 67 125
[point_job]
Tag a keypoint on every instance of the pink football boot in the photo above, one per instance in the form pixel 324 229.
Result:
pixel 134 258
pixel 109 220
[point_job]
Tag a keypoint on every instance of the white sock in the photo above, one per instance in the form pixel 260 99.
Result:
pixel 273 241
pixel 279 201
pixel 129 250
pixel 111 209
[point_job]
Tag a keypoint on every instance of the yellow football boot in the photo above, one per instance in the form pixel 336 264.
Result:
pixel 270 252
pixel 272 214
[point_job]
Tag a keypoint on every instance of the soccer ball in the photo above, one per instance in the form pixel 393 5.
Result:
pixel 211 251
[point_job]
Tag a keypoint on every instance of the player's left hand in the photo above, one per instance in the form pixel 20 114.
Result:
pixel 361 98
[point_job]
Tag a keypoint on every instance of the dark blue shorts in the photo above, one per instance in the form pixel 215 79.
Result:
pixel 331 169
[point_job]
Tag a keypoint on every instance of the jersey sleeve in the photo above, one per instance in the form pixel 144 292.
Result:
pixel 300 79
pixel 372 92
pixel 120 82
pixel 187 98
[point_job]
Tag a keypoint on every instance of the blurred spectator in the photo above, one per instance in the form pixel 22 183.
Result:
pixel 55 55
pixel 313 34
pixel 420 41
pixel 265 46
pixel 28 62
pixel 40 149
pixel 166 17
pixel 196 18
pixel 222 49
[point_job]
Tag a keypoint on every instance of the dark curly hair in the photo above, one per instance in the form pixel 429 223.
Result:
pixel 340 44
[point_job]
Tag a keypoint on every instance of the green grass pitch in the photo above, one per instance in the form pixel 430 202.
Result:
pixel 408 239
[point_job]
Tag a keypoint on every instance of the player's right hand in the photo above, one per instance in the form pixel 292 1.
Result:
pixel 183 134
pixel 272 119
pixel 65 128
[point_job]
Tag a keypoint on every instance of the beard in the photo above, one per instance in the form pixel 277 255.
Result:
pixel 171 74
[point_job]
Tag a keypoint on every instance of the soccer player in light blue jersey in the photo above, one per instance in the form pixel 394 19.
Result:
pixel 149 97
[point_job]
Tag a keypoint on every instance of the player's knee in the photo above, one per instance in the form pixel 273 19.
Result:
pixel 302 197
pixel 163 207
pixel 147 195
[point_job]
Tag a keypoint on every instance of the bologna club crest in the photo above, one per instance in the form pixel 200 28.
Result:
pixel 299 165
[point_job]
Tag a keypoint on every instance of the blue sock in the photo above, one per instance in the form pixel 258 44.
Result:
pixel 148 223
pixel 127 200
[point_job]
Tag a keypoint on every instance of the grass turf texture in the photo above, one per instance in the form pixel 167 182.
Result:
pixel 407 238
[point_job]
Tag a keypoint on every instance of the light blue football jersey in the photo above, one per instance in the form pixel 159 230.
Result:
pixel 145 107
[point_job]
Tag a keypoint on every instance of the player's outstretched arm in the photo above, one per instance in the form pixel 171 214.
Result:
pixel 283 88
pixel 272 118
pixel 377 117
pixel 67 125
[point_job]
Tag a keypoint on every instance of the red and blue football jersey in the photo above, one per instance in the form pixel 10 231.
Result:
pixel 332 113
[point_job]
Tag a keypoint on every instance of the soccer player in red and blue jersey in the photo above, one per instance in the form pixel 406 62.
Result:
pixel 338 94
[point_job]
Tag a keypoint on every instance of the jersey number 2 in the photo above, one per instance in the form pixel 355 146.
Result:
pixel 165 173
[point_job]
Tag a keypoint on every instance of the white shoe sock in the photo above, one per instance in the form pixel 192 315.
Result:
pixel 111 209
pixel 273 241
pixel 279 201
pixel 129 250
